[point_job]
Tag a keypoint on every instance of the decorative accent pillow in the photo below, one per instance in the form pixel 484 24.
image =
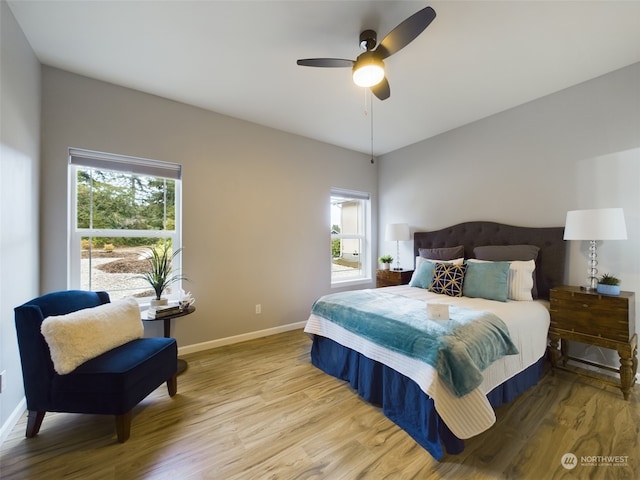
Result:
pixel 519 279
pixel 508 253
pixel 448 279
pixel 423 275
pixel 84 334
pixel 444 253
pixel 488 280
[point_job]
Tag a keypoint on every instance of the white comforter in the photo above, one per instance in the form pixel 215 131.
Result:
pixel 466 416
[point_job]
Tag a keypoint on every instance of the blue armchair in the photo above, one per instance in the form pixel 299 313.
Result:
pixel 110 384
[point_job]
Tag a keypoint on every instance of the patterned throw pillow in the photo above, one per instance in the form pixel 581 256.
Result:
pixel 448 279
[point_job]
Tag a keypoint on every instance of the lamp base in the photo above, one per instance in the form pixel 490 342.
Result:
pixel 587 288
pixel 592 279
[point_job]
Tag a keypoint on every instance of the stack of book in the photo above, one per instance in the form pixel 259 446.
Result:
pixel 161 312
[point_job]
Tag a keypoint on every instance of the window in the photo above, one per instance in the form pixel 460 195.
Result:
pixel 119 207
pixel 350 246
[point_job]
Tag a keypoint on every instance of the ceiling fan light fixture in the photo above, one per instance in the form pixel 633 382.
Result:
pixel 368 70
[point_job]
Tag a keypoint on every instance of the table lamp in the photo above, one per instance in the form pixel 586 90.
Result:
pixel 397 232
pixel 593 225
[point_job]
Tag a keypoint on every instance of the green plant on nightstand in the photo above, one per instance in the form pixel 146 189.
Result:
pixel 385 261
pixel 608 285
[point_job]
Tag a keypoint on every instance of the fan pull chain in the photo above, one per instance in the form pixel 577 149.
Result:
pixel 371 119
pixel 371 109
pixel 368 111
pixel 366 105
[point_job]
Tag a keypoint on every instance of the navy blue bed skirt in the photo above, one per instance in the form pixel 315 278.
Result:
pixel 402 400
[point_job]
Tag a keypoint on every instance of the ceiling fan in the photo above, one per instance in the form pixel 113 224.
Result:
pixel 368 68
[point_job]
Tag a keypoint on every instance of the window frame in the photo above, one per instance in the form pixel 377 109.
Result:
pixel 79 158
pixel 364 237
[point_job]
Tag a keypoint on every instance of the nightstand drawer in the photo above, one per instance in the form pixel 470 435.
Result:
pixel 592 314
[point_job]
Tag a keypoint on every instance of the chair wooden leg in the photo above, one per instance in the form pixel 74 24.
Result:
pixel 34 421
pixel 172 385
pixel 123 426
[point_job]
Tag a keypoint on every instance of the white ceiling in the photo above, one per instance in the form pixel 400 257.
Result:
pixel 238 58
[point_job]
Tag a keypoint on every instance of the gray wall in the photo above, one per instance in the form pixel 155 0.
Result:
pixel 256 210
pixel 19 173
pixel 255 200
pixel 578 148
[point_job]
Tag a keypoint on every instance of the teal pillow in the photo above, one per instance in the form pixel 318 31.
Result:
pixel 423 275
pixel 448 279
pixel 487 280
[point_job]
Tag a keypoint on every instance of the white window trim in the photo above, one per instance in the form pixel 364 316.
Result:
pixel 365 278
pixel 76 234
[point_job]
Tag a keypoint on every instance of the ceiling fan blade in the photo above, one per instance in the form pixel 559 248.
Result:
pixel 382 89
pixel 405 33
pixel 326 62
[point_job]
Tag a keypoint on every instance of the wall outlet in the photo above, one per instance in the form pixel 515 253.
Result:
pixel 2 379
pixel 258 309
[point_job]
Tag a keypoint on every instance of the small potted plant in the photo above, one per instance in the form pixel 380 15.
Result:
pixel 609 285
pixel 385 262
pixel 160 274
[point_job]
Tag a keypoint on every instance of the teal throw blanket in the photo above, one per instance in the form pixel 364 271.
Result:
pixel 459 348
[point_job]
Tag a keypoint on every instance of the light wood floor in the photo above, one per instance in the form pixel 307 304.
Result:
pixel 260 410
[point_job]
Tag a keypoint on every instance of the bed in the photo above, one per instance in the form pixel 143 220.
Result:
pixel 421 397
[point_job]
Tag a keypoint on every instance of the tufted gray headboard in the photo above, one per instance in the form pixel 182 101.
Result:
pixel 550 264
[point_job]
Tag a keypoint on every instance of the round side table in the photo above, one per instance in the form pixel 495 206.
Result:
pixel 182 364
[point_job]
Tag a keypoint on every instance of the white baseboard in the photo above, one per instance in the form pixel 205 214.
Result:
pixel 6 428
pixel 221 342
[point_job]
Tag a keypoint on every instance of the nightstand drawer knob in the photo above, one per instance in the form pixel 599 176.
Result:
pixel 585 305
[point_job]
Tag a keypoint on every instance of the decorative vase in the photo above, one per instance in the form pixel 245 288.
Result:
pixel 608 289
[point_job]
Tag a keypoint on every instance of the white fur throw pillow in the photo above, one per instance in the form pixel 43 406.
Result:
pixel 84 334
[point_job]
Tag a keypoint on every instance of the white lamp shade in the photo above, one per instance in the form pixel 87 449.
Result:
pixel 397 232
pixel 596 224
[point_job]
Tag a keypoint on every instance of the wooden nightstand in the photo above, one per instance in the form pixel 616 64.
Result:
pixel 602 320
pixel 391 278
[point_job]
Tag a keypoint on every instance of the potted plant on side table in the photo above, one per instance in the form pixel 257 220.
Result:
pixel 608 285
pixel 385 262
pixel 160 274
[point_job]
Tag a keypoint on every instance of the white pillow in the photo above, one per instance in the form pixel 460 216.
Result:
pixel 84 334
pixel 457 261
pixel 519 278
